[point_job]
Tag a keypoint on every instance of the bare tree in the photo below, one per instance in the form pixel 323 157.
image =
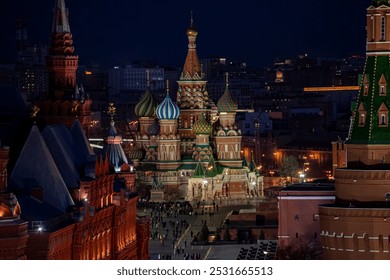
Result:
pixel 289 167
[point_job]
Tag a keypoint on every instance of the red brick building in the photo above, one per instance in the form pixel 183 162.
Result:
pixel 63 200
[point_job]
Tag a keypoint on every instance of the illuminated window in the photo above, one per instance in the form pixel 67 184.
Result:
pixel 382 85
pixel 362 119
pixel 383 116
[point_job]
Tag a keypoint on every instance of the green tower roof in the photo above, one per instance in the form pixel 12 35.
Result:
pixel 370 124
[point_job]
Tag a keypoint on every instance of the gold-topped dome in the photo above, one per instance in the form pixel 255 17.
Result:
pixel 191 31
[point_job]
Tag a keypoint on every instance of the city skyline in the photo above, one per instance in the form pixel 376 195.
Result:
pixel 253 32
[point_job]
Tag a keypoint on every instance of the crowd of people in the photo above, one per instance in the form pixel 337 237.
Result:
pixel 169 222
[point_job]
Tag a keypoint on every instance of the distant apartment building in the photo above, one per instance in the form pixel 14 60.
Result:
pixel 32 77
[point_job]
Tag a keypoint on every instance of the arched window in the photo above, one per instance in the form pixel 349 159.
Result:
pixel 383 28
pixel 362 119
pixel 383 119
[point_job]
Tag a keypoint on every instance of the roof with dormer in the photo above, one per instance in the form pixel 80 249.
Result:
pixel 367 127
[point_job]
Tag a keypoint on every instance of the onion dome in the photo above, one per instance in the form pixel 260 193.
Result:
pixel 167 110
pixel 226 103
pixel 202 126
pixel 380 2
pixel 191 31
pixel 154 128
pixel 136 153
pixel 146 106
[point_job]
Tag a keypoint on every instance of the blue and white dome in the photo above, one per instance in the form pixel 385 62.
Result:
pixel 167 110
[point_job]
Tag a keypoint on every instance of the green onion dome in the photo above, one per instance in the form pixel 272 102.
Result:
pixel 146 106
pixel 226 103
pixel 202 126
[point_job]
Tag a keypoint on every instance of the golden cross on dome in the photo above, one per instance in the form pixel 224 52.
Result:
pixel 148 78
pixel 167 83
pixel 227 78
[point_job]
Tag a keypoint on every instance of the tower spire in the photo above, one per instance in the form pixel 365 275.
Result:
pixel 148 78
pixel 192 69
pixel 61 21
pixel 167 83
pixel 227 79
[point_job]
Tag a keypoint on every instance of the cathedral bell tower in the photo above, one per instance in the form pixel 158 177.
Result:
pixel 192 95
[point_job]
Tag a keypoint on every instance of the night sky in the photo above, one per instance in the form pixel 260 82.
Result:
pixel 255 31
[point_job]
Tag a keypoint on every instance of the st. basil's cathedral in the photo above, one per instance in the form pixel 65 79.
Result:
pixel 191 149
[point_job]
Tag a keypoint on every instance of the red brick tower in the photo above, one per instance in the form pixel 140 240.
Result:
pixel 62 63
pixel 66 101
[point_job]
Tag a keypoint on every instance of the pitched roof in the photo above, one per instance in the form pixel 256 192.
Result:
pixel 36 167
pixel 60 144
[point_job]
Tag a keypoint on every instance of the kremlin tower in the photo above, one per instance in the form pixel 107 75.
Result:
pixel 66 101
pixel 357 226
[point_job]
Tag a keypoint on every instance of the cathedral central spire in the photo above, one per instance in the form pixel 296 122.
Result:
pixel 192 69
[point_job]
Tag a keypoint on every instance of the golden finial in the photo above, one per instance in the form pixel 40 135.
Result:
pixel 191 31
pixel 34 111
pixel 111 110
pixel 167 83
pixel 227 78
pixel 75 106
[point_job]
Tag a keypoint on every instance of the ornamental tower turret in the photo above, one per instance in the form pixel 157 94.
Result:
pixel 227 136
pixel 169 140
pixel 356 227
pixel 202 150
pixel 192 96
pixel 61 62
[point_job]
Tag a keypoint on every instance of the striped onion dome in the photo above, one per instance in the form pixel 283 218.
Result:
pixel 226 103
pixel 167 110
pixel 146 106
pixel 154 128
pixel 202 126
pixel 136 153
